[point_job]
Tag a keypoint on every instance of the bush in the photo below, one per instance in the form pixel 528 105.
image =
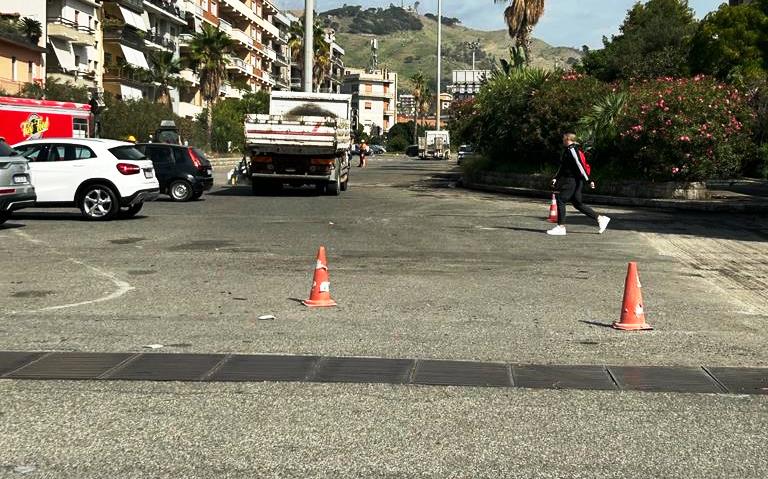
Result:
pixel 398 143
pixel 229 120
pixel 685 129
pixel 137 118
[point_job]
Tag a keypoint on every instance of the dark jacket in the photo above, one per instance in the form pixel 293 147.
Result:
pixel 573 164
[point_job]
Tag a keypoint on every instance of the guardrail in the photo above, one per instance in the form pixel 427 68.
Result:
pixel 71 24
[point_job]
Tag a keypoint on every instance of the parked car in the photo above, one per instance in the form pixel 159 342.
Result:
pixel 16 190
pixel 184 172
pixel 377 150
pixel 103 178
pixel 465 152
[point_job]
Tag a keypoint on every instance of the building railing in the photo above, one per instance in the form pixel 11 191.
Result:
pixel 161 40
pixel 71 24
pixel 167 6
pixel 124 35
pixel 136 5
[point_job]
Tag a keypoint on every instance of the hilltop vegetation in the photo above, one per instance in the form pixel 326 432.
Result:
pixel 408 43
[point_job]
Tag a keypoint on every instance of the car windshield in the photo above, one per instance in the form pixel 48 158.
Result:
pixel 127 152
pixel 6 150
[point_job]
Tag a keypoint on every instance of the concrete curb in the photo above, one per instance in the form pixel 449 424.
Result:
pixel 747 205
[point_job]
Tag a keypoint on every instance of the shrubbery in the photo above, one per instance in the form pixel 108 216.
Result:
pixel 661 130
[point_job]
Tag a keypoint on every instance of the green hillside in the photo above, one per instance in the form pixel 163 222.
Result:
pixel 405 49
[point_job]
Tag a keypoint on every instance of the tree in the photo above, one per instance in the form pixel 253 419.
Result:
pixel 32 29
pixel 56 90
pixel 653 42
pixel 164 73
pixel 732 42
pixel 419 88
pixel 521 16
pixel 322 57
pixel 208 52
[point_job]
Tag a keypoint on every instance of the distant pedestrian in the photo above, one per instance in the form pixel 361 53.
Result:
pixel 363 154
pixel 569 184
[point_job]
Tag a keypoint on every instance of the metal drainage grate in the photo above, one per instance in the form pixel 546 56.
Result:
pixel 265 368
pixel 12 360
pixel 70 366
pixel 363 370
pixel 563 377
pixel 664 379
pixel 461 373
pixel 168 367
pixel 742 380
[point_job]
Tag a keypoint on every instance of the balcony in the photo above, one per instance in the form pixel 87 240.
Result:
pixel 239 65
pixel 265 51
pixel 161 41
pixel 168 8
pixel 282 60
pixel 70 31
pixel 266 78
pixel 193 8
pixel 126 36
pixel 240 8
pixel 267 27
pixel 116 73
pixel 135 5
pixel 240 36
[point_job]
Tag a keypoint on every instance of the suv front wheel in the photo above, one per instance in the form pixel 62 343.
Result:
pixel 98 203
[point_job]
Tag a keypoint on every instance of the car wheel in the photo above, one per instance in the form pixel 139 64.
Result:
pixel 99 203
pixel 131 211
pixel 180 190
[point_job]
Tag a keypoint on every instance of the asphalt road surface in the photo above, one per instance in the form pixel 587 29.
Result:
pixel 420 269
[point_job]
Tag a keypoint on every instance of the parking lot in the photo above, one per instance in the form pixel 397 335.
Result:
pixel 420 269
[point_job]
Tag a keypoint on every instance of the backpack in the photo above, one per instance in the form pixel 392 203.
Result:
pixel 584 162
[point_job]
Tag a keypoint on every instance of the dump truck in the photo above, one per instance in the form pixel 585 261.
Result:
pixel 304 140
pixel 435 145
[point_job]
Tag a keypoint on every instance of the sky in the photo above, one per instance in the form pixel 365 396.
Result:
pixel 569 23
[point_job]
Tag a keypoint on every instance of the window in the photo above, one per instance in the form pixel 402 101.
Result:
pixel 214 9
pixel 77 61
pixel 30 71
pixel 127 153
pixel 13 69
pixel 77 18
pixel 90 19
pixel 83 152
pixel 368 105
pixel 34 152
pixel 58 153
pixel 369 88
pixel 79 128
pixel 160 155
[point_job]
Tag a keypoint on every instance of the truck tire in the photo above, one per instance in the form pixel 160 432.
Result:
pixel 345 184
pixel 333 187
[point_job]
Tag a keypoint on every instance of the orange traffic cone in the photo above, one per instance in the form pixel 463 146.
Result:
pixel 553 210
pixel 632 312
pixel 320 295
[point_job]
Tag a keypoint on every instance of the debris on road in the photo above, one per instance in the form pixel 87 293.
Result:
pixel 153 346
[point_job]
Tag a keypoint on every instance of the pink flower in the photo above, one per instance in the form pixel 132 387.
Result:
pixel 685 138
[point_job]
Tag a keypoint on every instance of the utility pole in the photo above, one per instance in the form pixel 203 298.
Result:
pixel 309 43
pixel 439 58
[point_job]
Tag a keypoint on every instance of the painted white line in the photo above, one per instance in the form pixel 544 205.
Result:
pixel 122 289
pixel 28 238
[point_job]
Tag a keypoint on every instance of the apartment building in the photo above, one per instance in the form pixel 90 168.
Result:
pixel 281 67
pixel 21 59
pixel 75 45
pixel 374 98
pixel 334 80
pixel 466 84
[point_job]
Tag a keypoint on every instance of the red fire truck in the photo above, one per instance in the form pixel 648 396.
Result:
pixel 27 119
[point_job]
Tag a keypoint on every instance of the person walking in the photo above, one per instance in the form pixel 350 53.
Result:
pixel 569 184
pixel 363 153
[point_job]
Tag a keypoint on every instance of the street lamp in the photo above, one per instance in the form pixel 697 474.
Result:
pixel 439 58
pixel 309 43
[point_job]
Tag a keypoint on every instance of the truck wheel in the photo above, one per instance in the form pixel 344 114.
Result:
pixel 333 187
pixel 345 184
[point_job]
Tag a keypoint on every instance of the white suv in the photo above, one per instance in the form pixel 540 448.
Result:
pixel 98 176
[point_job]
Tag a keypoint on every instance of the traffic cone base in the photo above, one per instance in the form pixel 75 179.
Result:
pixel 632 310
pixel 553 210
pixel 320 294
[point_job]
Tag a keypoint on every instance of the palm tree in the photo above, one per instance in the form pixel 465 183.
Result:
pixel 322 57
pixel 164 73
pixel 31 28
pixel 419 88
pixel 209 51
pixel 521 16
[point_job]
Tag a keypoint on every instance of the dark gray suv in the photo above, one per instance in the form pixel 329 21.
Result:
pixel 16 190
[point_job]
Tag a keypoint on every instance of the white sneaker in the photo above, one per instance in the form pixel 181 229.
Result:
pixel 603 221
pixel 558 230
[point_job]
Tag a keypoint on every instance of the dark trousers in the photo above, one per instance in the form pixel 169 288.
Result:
pixel 570 189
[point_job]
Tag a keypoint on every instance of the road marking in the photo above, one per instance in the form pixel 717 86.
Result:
pixel 122 289
pixel 122 286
